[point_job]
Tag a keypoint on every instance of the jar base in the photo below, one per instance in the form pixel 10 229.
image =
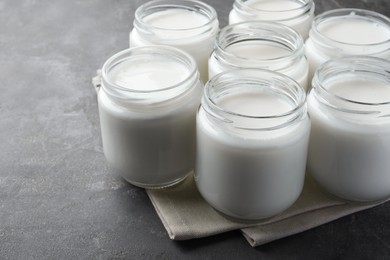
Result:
pixel 346 197
pixel 158 185
pixel 244 220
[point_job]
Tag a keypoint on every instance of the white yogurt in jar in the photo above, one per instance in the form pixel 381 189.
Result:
pixel 298 14
pixel 176 19
pixel 344 32
pixel 147 108
pixel 260 45
pixel 189 25
pixel 252 139
pixel 148 75
pixel 349 108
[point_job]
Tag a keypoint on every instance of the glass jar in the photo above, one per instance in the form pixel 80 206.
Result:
pixel 297 14
pixel 349 106
pixel 187 24
pixel 261 45
pixel 147 107
pixel 252 139
pixel 344 32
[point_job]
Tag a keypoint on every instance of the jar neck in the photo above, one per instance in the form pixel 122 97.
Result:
pixel 260 34
pixel 177 34
pixel 334 48
pixel 249 12
pixel 256 82
pixel 131 96
pixel 355 68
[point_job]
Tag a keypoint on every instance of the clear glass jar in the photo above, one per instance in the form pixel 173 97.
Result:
pixel 260 45
pixel 297 14
pixel 349 107
pixel 252 139
pixel 187 24
pixel 147 107
pixel 344 32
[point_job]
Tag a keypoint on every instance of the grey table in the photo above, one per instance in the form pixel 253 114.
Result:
pixel 58 199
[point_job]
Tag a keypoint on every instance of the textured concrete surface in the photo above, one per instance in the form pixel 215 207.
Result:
pixel 58 200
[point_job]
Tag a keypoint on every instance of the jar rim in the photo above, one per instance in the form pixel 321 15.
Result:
pixel 362 66
pixel 307 6
pixel 246 78
pixel 191 5
pixel 276 33
pixel 169 52
pixel 344 13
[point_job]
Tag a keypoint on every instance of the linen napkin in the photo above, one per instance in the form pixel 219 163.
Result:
pixel 186 215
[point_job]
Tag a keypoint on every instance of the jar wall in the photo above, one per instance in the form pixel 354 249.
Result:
pixel 262 45
pixel 350 140
pixel 189 25
pixel 344 32
pixel 149 136
pixel 251 173
pixel 296 14
pixel 250 183
pixel 149 151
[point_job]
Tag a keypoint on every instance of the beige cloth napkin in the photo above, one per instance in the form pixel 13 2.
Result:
pixel 186 215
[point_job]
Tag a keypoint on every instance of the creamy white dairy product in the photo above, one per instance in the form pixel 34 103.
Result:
pixel 261 45
pixel 258 50
pixel 147 108
pixel 189 25
pixel 350 135
pixel 176 19
pixel 250 158
pixel 297 14
pixel 255 103
pixel 354 31
pixel 344 32
pixel 275 5
pixel 148 75
pixel 363 90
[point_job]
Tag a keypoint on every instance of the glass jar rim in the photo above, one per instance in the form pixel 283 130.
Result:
pixel 169 52
pixel 345 12
pixel 255 31
pixel 307 6
pixel 191 5
pixel 359 65
pixel 246 78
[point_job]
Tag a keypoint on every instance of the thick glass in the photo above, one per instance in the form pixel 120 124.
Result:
pixel 262 45
pixel 297 14
pixel 344 32
pixel 187 24
pixel 349 106
pixel 147 107
pixel 251 152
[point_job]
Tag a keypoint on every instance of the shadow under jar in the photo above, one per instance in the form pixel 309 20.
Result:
pixel 252 139
pixel 349 107
pixel 186 24
pixel 147 108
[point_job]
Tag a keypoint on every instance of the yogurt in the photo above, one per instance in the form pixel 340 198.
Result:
pixel 252 139
pixel 147 108
pixel 297 14
pixel 344 32
pixel 189 25
pixel 260 45
pixel 349 107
